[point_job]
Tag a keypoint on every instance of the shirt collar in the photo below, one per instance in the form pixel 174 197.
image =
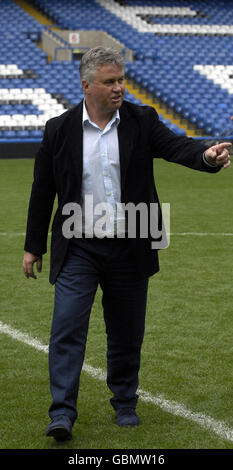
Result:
pixel 86 118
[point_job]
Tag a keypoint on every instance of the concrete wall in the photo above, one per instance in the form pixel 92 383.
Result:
pixel 80 39
pixel 55 47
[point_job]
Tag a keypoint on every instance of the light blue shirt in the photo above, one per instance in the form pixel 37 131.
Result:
pixel 101 176
pixel 102 213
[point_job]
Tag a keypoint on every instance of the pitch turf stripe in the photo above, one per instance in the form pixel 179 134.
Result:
pixel 220 428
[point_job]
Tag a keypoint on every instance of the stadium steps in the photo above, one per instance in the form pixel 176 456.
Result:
pixel 132 87
pixel 161 109
pixel 37 15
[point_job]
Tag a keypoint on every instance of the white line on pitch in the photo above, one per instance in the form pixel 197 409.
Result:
pixel 220 428
pixel 175 234
pixel 12 234
pixel 202 234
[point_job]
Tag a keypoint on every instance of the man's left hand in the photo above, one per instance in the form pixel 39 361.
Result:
pixel 218 155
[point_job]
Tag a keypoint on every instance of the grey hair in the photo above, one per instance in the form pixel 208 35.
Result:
pixel 96 58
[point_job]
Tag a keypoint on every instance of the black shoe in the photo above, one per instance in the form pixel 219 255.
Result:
pixel 60 428
pixel 127 417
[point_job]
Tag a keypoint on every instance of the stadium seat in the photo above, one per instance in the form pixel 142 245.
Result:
pixel 182 57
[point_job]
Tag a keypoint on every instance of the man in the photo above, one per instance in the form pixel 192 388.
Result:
pixel 102 149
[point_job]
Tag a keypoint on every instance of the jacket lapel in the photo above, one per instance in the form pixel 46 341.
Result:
pixel 126 137
pixel 75 140
pixel 126 140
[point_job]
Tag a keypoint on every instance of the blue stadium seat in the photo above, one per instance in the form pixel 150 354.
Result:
pixel 181 69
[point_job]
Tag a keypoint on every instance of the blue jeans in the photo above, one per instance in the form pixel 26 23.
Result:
pixel 89 263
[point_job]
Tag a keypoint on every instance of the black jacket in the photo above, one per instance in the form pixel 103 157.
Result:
pixel 58 171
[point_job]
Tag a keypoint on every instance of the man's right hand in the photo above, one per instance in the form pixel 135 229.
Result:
pixel 28 261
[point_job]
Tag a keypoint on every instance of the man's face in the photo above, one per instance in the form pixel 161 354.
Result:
pixel 106 91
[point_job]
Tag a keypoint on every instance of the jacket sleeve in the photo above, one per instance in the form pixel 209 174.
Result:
pixel 41 200
pixel 178 149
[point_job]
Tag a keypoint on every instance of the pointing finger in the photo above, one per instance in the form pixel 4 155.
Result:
pixel 223 145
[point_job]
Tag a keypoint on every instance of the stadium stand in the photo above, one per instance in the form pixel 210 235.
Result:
pixel 182 59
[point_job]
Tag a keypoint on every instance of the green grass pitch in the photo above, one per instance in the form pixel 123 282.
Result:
pixel 187 350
